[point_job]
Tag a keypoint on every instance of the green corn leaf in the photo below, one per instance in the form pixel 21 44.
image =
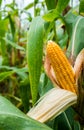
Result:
pixel 81 7
pixel 71 114
pixel 12 26
pixel 51 4
pixel 69 19
pixel 63 122
pixel 13 44
pixel 55 13
pixel 77 126
pixel 22 72
pixel 66 121
pixel 3 30
pixel 51 15
pixel 4 75
pixel 34 54
pixel 12 118
pixel 45 85
pixel 0 2
pixel 77 37
pixel 29 6
pixel 61 5
pixel 3 27
pixel 25 93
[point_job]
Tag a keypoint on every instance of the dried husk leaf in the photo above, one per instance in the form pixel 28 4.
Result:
pixel 79 71
pixel 79 64
pixel 52 104
pixel 49 71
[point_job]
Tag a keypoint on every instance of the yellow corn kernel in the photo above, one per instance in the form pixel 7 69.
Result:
pixel 62 68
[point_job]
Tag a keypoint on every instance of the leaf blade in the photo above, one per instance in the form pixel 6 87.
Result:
pixel 12 118
pixel 77 42
pixel 4 75
pixel 34 54
pixel 56 13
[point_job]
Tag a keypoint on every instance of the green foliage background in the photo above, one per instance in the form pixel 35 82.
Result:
pixel 22 77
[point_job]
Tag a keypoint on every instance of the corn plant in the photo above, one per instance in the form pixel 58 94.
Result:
pixel 42 66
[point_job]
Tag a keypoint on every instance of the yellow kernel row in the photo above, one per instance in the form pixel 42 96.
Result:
pixel 62 68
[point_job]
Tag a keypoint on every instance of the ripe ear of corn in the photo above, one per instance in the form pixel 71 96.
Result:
pixel 63 70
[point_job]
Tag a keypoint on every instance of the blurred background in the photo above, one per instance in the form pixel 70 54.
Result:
pixel 15 19
pixel 21 4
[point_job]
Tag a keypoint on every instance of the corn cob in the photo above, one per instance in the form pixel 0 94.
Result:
pixel 62 68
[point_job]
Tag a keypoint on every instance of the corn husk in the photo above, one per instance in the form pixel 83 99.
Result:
pixel 79 64
pixel 52 104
